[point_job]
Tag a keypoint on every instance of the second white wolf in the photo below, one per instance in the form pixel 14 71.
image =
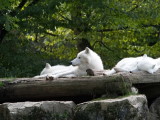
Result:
pixel 142 63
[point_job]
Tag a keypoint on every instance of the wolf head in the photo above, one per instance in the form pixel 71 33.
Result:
pixel 88 59
pixel 147 64
pixel 82 57
pixel 158 62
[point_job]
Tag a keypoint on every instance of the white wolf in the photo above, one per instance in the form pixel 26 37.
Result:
pixel 158 62
pixel 86 59
pixel 49 70
pixel 142 63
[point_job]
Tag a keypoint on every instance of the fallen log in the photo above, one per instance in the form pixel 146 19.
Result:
pixel 63 88
pixel 78 89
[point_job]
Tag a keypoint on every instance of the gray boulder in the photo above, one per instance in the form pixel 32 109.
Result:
pixel 155 109
pixel 45 110
pixel 127 108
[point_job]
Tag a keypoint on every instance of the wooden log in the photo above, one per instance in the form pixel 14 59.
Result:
pixel 82 88
pixel 66 88
pixel 135 78
pixel 91 72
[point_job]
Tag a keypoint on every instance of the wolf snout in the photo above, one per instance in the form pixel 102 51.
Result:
pixel 70 62
pixel 73 62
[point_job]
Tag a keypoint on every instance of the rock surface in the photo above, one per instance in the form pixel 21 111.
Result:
pixel 127 108
pixel 45 110
pixel 155 109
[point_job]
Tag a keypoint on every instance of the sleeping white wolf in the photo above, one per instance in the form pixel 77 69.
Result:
pixel 142 63
pixel 86 59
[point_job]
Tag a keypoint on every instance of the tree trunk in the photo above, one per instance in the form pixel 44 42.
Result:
pixel 3 32
pixel 79 26
pixel 83 43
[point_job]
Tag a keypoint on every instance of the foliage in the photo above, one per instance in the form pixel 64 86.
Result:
pixel 45 31
pixel 1 84
pixel 20 59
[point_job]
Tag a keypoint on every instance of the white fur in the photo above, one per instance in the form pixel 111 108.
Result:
pixel 158 62
pixel 53 69
pixel 49 70
pixel 143 63
pixel 147 64
pixel 86 59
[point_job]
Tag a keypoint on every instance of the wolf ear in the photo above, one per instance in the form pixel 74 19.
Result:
pixel 145 55
pixel 87 50
pixel 48 66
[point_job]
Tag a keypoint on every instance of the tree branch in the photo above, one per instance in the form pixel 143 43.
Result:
pixel 100 42
pixel 33 2
pixel 109 30
pixel 150 25
pixel 64 17
pixel 136 6
pixel 51 34
pixel 23 2
pixel 18 8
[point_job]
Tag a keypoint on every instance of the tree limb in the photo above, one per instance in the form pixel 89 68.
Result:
pixel 50 34
pixel 136 6
pixel 33 2
pixel 23 2
pixel 64 17
pixel 109 30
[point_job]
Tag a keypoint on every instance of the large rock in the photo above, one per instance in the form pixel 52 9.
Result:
pixel 46 110
pixel 127 108
pixel 155 109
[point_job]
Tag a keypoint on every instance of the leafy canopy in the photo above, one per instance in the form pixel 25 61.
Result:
pixel 52 30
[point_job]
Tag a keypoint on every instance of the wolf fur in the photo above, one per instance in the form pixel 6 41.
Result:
pixel 131 64
pixel 86 59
